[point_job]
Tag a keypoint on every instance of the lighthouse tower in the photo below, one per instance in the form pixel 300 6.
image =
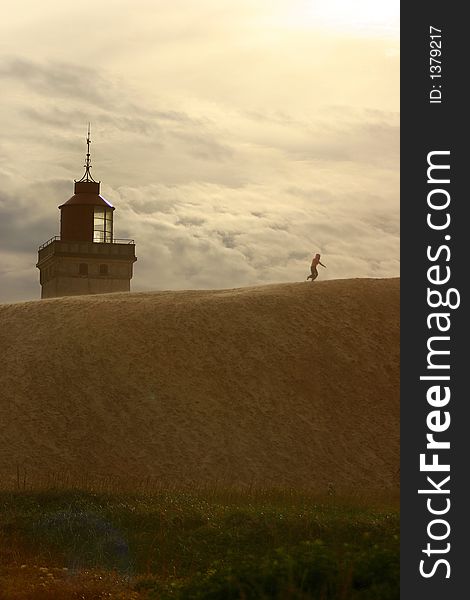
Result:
pixel 85 258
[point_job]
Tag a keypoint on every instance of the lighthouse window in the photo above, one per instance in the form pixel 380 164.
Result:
pixel 103 269
pixel 103 225
pixel 83 269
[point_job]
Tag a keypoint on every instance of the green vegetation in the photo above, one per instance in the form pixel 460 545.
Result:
pixel 224 545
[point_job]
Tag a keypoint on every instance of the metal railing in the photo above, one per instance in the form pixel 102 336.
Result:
pixel 53 239
pixel 56 238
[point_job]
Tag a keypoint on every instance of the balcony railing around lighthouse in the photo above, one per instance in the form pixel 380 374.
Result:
pixel 117 249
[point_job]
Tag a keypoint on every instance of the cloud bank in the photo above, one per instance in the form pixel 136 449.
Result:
pixel 232 148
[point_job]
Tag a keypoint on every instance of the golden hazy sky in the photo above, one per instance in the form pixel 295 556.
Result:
pixel 234 137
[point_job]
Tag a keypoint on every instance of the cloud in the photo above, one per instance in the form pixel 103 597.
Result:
pixel 231 245
pixel 207 236
pixel 23 223
pixel 204 146
pixel 232 146
pixel 58 79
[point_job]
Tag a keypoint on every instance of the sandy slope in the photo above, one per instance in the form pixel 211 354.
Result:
pixel 291 384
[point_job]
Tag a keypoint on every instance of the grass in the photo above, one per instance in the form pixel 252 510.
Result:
pixel 212 544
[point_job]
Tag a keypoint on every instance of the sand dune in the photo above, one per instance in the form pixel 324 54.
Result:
pixel 290 384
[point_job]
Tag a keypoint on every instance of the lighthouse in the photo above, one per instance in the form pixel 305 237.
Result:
pixel 86 258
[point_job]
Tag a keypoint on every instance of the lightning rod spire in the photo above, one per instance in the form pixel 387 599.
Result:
pixel 87 175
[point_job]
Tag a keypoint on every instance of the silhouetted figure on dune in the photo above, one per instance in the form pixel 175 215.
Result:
pixel 313 268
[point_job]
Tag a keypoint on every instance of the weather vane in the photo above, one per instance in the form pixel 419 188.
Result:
pixel 87 175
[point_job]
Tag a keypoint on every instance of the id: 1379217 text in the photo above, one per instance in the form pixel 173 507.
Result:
pixel 435 64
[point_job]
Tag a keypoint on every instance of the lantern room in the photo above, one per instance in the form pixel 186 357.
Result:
pixel 86 216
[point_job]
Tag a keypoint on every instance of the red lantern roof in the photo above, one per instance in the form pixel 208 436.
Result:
pixel 87 192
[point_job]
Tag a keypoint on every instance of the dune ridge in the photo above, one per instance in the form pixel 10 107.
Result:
pixel 292 384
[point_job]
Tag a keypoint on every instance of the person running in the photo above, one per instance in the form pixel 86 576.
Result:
pixel 313 268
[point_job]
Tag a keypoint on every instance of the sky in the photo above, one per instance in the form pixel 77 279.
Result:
pixel 236 138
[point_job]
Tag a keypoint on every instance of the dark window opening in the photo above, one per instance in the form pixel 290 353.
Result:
pixel 83 269
pixel 103 269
